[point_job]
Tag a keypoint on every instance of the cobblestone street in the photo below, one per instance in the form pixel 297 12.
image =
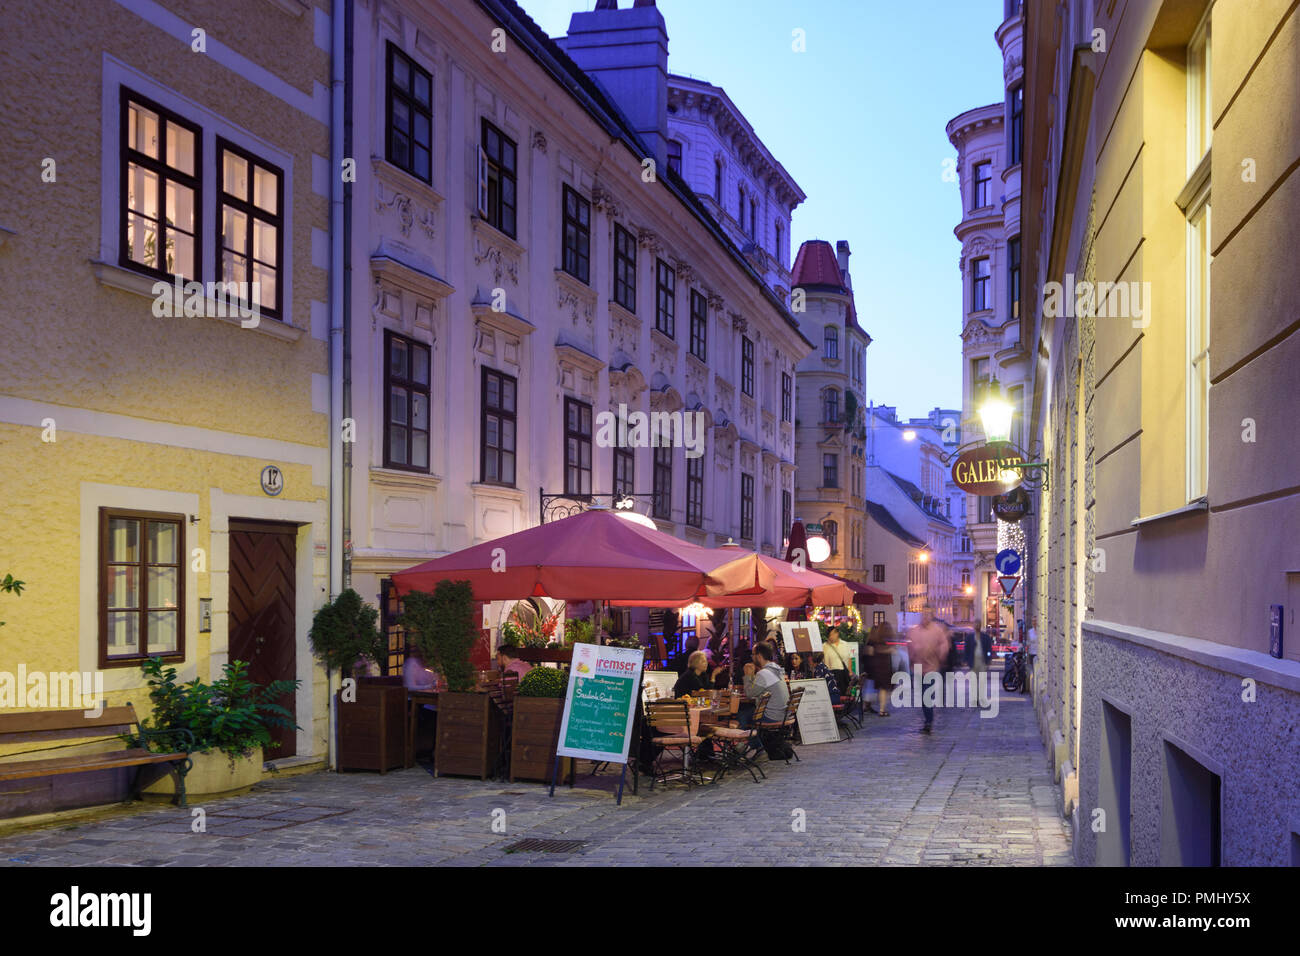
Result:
pixel 976 792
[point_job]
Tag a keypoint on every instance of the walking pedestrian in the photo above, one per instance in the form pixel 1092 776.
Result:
pixel 1031 652
pixel 880 663
pixel 930 647
pixel 981 642
pixel 836 656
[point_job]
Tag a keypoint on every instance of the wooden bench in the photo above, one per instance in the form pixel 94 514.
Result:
pixel 73 725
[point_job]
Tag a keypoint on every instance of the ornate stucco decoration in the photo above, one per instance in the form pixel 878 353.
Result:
pixel 739 322
pixel 603 200
pixel 502 261
pixel 649 240
pixel 685 271
pixel 539 141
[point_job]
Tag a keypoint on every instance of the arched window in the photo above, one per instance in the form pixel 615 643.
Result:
pixel 831 405
pixel 831 532
pixel 831 343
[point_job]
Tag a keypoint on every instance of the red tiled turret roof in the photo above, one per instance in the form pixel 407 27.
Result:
pixel 816 265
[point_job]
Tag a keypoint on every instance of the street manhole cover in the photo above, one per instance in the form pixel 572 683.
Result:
pixel 545 846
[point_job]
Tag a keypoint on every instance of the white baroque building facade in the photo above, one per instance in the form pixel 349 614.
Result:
pixel 716 151
pixel 515 274
pixel 990 143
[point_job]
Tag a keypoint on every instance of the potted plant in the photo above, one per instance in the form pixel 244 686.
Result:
pixel 534 639
pixel 539 709
pixel 469 724
pixel 229 720
pixel 370 713
pixel 578 631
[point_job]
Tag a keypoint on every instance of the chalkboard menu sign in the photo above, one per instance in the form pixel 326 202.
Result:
pixel 600 703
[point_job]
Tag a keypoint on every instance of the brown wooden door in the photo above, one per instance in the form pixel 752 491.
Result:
pixel 262 575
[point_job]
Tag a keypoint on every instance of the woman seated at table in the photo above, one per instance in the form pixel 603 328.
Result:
pixel 821 670
pixel 693 680
pixel 797 667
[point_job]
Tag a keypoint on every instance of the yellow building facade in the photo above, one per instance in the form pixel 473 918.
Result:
pixel 164 457
pixel 1160 232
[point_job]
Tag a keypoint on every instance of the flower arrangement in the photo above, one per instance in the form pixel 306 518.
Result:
pixel 518 633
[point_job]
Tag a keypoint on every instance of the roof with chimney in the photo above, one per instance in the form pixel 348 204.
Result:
pixel 930 504
pixel 817 269
pixel 882 516
pixel 589 94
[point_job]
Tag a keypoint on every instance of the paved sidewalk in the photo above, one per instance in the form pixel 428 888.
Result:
pixel 976 792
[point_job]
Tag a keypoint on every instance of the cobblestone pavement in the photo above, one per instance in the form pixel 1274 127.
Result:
pixel 977 791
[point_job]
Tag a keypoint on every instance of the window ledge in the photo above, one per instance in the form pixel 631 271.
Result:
pixel 400 179
pixel 397 477
pixel 575 285
pixel 1199 506
pixel 618 310
pixel 494 236
pixel 502 491
pixel 693 359
pixel 116 277
pixel 664 340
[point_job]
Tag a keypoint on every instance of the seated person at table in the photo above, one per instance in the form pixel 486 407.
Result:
pixel 693 680
pixel 764 675
pixel 796 666
pixel 415 675
pixel 508 661
pixel 821 670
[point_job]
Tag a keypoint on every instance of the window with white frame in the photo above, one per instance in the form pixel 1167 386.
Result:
pixel 1195 203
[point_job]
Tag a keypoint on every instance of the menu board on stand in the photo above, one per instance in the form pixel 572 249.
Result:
pixel 599 706
pixel 815 717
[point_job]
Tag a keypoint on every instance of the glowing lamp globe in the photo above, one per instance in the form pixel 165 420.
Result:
pixel 996 414
pixel 819 549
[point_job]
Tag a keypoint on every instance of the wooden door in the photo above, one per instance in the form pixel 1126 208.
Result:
pixel 262 625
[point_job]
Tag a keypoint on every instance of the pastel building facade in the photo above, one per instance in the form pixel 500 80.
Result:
pixel 165 456
pixel 517 277
pixel 1166 556
pixel 990 144
pixel 830 436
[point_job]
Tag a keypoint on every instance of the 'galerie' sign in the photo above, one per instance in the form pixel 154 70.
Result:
pixel 987 470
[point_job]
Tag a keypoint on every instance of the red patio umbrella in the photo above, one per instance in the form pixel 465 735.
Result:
pixel 592 555
pixel 862 593
pixel 777 583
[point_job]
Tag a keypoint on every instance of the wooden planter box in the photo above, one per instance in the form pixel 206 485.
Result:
pixel 372 728
pixel 545 655
pixel 469 735
pixel 534 736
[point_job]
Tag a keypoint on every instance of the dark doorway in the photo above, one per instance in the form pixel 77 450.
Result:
pixel 262 625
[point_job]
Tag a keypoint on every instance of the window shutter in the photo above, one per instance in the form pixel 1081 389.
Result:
pixel 482 183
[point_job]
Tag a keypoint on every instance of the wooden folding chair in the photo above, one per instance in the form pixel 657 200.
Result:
pixel 670 722
pixel 786 726
pixel 740 746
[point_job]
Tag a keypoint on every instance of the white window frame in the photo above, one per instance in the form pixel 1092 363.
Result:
pixel 212 125
pixel 1194 200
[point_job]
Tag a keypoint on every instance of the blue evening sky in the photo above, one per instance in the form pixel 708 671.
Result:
pixel 858 121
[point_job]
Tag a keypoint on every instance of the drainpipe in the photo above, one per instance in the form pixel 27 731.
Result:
pixel 348 17
pixel 338 325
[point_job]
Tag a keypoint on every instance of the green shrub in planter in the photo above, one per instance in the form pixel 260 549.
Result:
pixel 444 630
pixel 543 682
pixel 343 633
pixel 578 631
